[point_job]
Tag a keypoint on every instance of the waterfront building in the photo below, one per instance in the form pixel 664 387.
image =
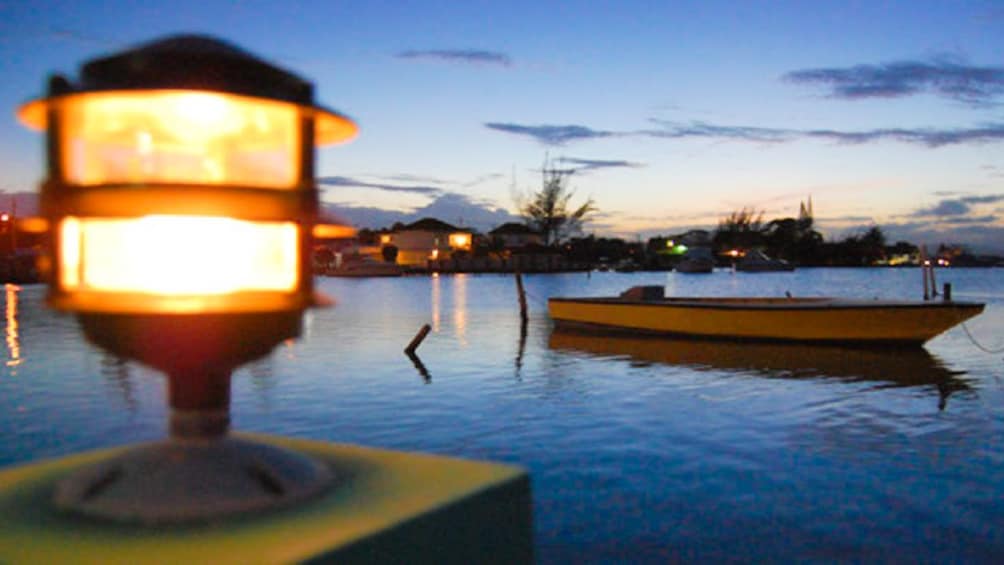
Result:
pixel 427 239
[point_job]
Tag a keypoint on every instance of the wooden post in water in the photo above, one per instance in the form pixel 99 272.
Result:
pixel 522 298
pixel 417 340
pixel 923 269
pixel 934 284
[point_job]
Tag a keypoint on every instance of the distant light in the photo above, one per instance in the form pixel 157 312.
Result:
pixel 460 241
pixel 4 217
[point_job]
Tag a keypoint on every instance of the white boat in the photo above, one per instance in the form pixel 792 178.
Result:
pixel 755 261
pixel 696 260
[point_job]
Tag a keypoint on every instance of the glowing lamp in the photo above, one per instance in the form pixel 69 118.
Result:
pixel 181 207
pixel 460 240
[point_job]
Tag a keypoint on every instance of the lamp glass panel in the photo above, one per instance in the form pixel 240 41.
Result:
pixel 188 137
pixel 177 255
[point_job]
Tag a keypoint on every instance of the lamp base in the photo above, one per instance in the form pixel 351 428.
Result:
pixel 387 507
pixel 179 481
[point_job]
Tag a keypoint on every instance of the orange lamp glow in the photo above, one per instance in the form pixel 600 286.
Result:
pixel 177 255
pixel 184 137
pixel 460 241
pixel 333 231
pixel 181 136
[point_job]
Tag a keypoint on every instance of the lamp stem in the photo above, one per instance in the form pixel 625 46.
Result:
pixel 200 403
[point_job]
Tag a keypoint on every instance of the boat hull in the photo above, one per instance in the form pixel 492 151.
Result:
pixel 767 319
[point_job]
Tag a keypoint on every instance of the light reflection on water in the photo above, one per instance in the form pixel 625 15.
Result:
pixel 12 336
pixel 639 449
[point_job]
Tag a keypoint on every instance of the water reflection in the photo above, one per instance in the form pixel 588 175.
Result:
pixel 12 335
pixel 520 349
pixel 887 367
pixel 436 301
pixel 420 367
pixel 460 306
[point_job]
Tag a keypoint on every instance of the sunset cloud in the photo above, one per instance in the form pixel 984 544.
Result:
pixel 454 208
pixel 942 77
pixel 551 134
pixel 356 183
pixel 583 165
pixel 957 206
pixel 465 56
pixel 558 135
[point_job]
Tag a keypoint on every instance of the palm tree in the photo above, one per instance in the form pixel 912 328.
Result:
pixel 547 210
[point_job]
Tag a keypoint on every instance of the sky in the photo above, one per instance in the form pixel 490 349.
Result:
pixel 672 114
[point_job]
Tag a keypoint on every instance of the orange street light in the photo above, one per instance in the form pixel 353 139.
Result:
pixel 181 203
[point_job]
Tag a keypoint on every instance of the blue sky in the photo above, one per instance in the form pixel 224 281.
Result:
pixel 673 113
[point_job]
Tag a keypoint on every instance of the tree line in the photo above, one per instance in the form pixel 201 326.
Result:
pixel 795 240
pixel 550 213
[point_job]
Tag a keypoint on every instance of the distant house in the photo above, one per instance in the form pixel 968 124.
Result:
pixel 427 239
pixel 513 235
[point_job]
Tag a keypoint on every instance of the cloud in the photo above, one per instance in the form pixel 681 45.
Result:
pixel 922 136
pixel 980 238
pixel 944 77
pixel 966 220
pixel 930 137
pixel 481 179
pixel 362 216
pixel 461 209
pixel 956 206
pixel 989 199
pixel 839 219
pixel 466 56
pixel 697 129
pixel 414 179
pixel 582 165
pixel 551 134
pixel 944 208
pixel 557 135
pixel 355 183
pixel 450 207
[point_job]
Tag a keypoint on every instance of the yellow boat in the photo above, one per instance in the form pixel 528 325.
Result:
pixel 833 320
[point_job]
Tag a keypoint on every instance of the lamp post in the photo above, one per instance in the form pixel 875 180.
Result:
pixel 180 200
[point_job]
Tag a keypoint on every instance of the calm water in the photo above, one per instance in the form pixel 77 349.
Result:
pixel 639 449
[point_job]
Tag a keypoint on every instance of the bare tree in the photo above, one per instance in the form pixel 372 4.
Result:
pixel 548 209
